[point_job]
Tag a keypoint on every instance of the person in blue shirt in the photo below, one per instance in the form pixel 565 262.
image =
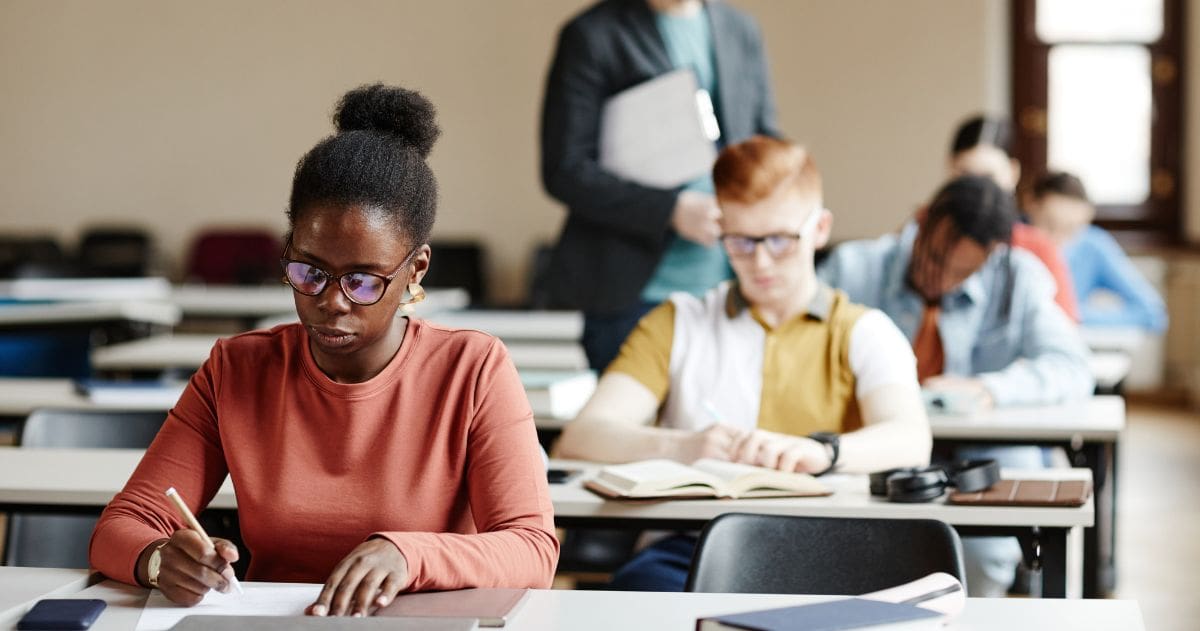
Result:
pixel 1059 205
pixel 983 322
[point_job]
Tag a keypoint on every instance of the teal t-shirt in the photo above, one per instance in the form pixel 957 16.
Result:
pixel 688 266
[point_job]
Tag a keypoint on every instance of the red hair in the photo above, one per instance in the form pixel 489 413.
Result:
pixel 753 169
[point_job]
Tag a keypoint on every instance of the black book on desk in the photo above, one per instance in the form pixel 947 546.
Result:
pixel 857 614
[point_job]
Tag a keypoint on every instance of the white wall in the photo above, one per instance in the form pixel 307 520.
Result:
pixel 179 114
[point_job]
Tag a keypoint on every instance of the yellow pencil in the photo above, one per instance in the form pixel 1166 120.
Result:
pixel 195 525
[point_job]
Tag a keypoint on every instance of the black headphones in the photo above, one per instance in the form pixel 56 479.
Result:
pixel 917 484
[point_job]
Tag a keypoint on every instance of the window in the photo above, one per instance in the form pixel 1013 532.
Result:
pixel 1096 92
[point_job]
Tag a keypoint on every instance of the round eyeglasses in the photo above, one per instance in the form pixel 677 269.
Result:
pixel 362 288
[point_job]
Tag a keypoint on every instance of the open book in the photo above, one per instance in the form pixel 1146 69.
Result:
pixel 704 478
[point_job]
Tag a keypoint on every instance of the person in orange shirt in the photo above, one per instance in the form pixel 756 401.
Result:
pixel 982 145
pixel 370 451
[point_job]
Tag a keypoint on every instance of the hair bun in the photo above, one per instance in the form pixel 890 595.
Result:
pixel 393 110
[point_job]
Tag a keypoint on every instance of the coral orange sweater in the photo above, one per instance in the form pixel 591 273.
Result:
pixel 437 453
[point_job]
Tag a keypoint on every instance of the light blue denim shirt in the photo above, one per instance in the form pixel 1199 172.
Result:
pixel 1024 349
pixel 1097 262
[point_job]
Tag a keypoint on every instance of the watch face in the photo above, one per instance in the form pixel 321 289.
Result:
pixel 153 566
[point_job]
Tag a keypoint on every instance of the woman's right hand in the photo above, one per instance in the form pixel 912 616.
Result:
pixel 190 567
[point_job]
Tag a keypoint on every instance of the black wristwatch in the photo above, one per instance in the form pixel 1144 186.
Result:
pixel 832 443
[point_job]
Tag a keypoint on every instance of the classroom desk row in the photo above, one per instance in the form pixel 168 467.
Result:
pixel 1089 431
pixel 547 610
pixel 87 302
pixel 186 352
pixel 86 479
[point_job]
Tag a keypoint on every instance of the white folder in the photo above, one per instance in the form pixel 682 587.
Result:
pixel 660 132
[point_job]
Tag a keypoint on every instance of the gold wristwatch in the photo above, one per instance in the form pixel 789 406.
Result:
pixel 155 564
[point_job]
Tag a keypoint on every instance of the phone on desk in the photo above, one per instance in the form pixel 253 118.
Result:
pixel 561 476
pixel 62 613
pixel 950 402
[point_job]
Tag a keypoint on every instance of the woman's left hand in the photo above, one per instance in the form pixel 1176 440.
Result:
pixel 368 578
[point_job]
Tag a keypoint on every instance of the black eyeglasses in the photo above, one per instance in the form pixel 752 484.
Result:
pixel 362 288
pixel 777 245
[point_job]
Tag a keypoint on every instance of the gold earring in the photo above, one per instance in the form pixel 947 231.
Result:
pixel 416 294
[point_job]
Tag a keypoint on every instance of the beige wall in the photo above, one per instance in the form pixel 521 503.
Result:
pixel 182 114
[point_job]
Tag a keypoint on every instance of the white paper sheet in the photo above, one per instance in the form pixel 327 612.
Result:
pixel 260 599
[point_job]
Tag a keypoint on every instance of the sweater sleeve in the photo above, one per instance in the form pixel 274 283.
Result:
pixel 514 545
pixel 187 455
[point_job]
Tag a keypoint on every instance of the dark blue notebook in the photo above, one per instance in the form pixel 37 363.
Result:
pixel 834 615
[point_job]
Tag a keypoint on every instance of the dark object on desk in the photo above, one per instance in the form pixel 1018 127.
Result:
pixel 31 257
pixel 925 484
pixel 834 615
pixel 457 264
pixel 1028 493
pixel 492 607
pixel 66 613
pixel 115 252
pixel 303 623
pixel 229 257
pixel 782 554
pixel 561 476
pixel 50 540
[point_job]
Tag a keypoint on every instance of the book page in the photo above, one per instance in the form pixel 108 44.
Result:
pixel 742 480
pixel 260 599
pixel 647 477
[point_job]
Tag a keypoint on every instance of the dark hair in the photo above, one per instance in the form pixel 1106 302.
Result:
pixel 977 208
pixel 983 130
pixel 1060 183
pixel 375 160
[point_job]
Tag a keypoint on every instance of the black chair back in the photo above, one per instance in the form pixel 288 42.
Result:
pixel 61 540
pixel 457 264
pixel 780 554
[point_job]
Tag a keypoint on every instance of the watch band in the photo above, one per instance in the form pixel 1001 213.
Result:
pixel 154 566
pixel 832 442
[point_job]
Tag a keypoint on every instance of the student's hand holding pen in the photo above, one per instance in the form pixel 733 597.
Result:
pixel 716 441
pixel 189 566
pixel 368 578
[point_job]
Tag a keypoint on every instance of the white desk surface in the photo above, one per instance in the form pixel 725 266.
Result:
pixel 1109 368
pixel 189 351
pixel 21 395
pixel 158 352
pixel 260 301
pixel 528 326
pixel 1125 339
pixel 20 587
pixel 87 289
pixel 1100 418
pixel 90 477
pixel 61 313
pixel 553 610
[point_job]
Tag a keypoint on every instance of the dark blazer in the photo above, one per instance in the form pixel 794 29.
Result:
pixel 616 230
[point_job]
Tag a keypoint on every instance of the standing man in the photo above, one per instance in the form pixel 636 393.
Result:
pixel 626 247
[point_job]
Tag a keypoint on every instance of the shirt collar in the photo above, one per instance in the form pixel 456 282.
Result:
pixel 819 307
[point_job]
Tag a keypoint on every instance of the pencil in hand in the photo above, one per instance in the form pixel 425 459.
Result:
pixel 195 525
